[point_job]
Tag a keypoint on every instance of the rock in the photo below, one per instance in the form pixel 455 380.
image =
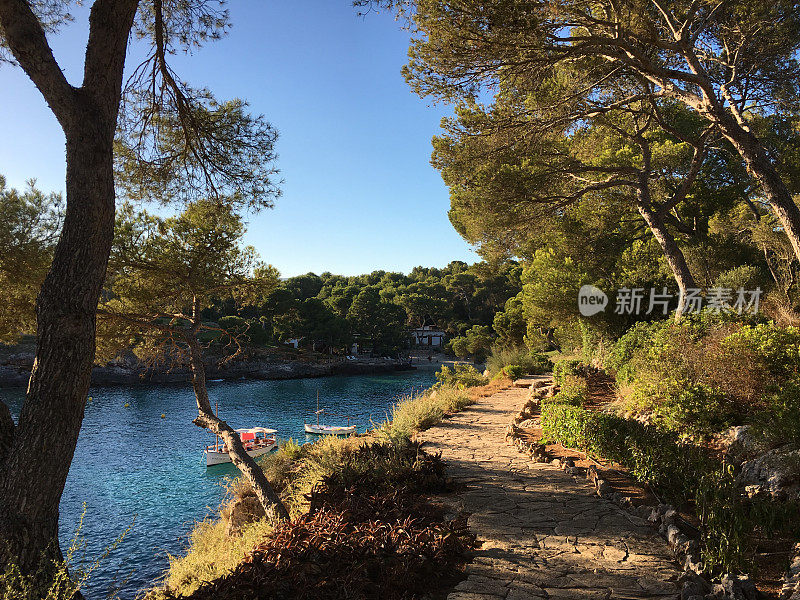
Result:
pixel 734 587
pixel 740 443
pixel 672 534
pixel 692 585
pixel 776 471
pixel 241 512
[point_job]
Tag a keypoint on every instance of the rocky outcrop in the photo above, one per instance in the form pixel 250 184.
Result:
pixel 776 473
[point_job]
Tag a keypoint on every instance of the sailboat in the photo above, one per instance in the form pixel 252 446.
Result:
pixel 321 429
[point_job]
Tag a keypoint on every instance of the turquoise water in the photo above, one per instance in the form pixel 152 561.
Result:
pixel 131 462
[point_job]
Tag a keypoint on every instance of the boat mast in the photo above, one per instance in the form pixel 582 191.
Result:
pixel 216 414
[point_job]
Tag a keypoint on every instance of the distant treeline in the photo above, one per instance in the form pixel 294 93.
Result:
pixel 377 310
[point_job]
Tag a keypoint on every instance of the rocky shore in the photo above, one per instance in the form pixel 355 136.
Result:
pixel 15 369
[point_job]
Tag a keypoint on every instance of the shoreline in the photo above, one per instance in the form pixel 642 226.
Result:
pixel 16 373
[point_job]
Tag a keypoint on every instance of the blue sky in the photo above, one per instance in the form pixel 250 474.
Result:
pixel 359 192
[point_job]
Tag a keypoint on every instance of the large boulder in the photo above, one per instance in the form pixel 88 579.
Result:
pixel 741 444
pixel 776 473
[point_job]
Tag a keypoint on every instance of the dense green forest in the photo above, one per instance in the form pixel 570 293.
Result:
pixel 330 311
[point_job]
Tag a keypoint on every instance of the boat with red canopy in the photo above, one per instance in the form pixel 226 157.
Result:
pixel 257 441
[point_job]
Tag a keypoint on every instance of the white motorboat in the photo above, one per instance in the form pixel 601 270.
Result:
pixel 330 429
pixel 257 441
pixel 321 429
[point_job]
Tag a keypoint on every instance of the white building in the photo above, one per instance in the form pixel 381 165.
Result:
pixel 427 335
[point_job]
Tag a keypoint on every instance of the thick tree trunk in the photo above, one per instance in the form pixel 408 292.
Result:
pixel 208 420
pixel 35 457
pixel 673 254
pixel 764 172
pixel 35 468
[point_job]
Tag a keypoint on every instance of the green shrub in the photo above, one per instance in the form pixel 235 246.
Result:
pixel 513 371
pixel 417 412
pixel 747 277
pixel 698 409
pixel 704 373
pixel 532 363
pixel 572 366
pixel 724 515
pixel 636 340
pixel 462 376
pixel 380 466
pixel 574 391
pixel 777 348
pixel 779 422
pixel 654 456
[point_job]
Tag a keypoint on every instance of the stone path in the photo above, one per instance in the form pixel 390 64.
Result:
pixel 542 533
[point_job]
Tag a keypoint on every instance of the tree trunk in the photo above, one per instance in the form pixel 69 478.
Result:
pixel 764 172
pixel 673 254
pixel 208 420
pixel 36 465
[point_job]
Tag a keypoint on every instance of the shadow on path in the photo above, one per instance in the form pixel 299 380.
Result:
pixel 541 532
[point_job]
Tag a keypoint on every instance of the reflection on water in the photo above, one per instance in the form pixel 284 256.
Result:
pixel 130 462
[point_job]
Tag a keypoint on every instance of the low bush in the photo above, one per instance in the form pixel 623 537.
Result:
pixel 779 422
pixel 654 455
pixel 530 363
pixel 461 376
pixel 731 522
pixel 705 373
pixel 573 392
pixel 212 553
pixel 417 412
pixel 570 366
pixel 357 543
pixel 513 371
pixel 777 349
pixel 564 367
pixel 635 341
pixel 706 409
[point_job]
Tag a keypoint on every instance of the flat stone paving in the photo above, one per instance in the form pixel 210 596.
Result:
pixel 541 532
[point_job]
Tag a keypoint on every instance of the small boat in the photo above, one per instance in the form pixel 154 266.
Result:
pixel 320 429
pixel 257 441
pixel 330 429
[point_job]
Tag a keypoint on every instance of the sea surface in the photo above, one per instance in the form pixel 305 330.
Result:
pixel 139 463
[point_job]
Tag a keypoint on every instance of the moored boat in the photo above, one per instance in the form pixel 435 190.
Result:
pixel 330 429
pixel 257 441
pixel 322 429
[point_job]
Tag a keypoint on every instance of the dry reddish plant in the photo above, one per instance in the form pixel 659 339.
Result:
pixel 389 544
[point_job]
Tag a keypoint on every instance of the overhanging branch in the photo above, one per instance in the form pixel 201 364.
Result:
pixel 28 44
